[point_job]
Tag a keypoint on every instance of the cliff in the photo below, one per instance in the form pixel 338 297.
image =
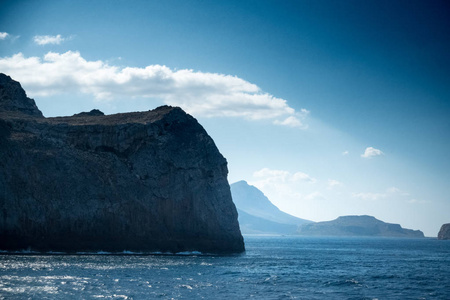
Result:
pixel 358 226
pixel 144 181
pixel 444 232
pixel 257 215
pixel 13 99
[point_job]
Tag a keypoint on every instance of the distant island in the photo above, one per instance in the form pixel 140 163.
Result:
pixel 146 181
pixel 358 226
pixel 257 215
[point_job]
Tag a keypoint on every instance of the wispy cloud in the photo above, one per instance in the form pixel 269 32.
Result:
pixel 3 35
pixel 371 152
pixel 333 183
pixel 415 201
pixel 369 196
pixel 345 152
pixel 292 121
pixel 199 93
pixel 49 39
pixel 314 196
pixel 396 191
pixel 391 193
pixel 269 176
pixel 295 121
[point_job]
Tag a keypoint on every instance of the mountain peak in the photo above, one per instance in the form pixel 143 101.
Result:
pixel 13 98
pixel 258 215
pixel 243 182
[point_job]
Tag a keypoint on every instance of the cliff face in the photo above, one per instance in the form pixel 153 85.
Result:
pixel 147 181
pixel 358 226
pixel 444 233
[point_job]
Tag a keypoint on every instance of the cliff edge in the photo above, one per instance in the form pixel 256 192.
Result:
pixel 144 181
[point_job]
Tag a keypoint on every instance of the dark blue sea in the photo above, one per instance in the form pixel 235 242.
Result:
pixel 271 268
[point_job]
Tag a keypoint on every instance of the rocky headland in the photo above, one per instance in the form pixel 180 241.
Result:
pixel 444 232
pixel 358 226
pixel 145 181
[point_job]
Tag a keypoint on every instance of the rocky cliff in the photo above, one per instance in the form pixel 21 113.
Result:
pixel 358 226
pixel 444 233
pixel 145 181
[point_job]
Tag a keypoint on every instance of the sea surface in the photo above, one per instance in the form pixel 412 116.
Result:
pixel 271 268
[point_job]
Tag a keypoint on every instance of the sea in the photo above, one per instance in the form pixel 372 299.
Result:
pixel 283 267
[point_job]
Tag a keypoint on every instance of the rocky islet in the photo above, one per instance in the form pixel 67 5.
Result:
pixel 358 226
pixel 143 181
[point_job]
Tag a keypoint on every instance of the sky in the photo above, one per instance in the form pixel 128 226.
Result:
pixel 330 108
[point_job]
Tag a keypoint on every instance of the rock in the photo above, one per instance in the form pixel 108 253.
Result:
pixel 358 226
pixel 14 100
pixel 94 112
pixel 444 233
pixel 257 215
pixel 147 181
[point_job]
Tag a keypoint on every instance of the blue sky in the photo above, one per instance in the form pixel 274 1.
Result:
pixel 293 92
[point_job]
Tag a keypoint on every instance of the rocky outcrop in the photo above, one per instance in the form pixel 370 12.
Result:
pixel 358 226
pixel 146 181
pixel 94 112
pixel 14 100
pixel 444 233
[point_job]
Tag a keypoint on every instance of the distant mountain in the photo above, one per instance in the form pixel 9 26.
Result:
pixel 257 215
pixel 444 233
pixel 358 226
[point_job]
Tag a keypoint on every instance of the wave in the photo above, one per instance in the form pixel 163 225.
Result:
pixel 125 252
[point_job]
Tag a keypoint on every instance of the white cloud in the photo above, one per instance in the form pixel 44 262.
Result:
pixel 201 94
pixel 300 176
pixel 48 39
pixel 3 35
pixel 294 121
pixel 290 121
pixel 371 152
pixel 333 183
pixel 345 152
pixel 267 176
